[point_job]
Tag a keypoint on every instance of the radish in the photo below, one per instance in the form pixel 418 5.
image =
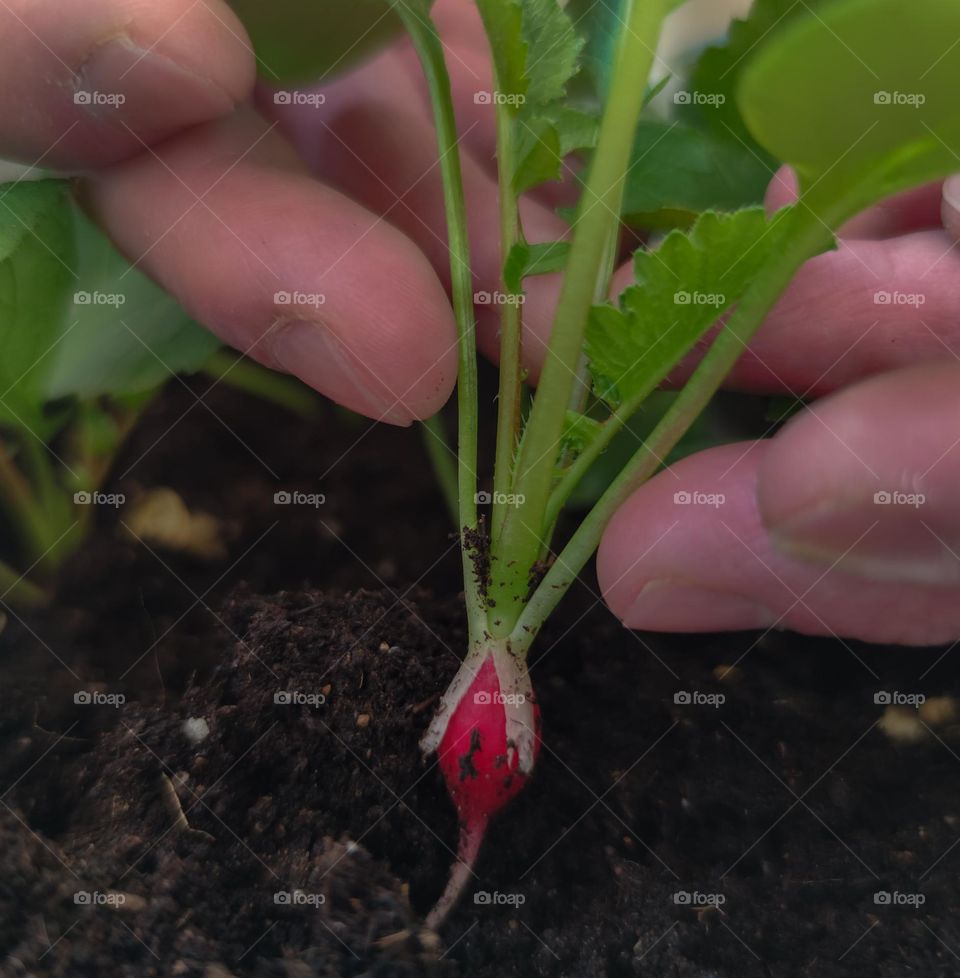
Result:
pixel 487 736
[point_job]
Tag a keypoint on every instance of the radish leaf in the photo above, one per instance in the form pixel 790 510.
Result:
pixel 678 171
pixel 36 277
pixel 127 334
pixel 535 50
pixel 860 99
pixel 533 259
pixel 680 290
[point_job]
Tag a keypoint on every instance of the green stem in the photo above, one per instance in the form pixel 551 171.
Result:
pixel 518 547
pixel 580 466
pixel 810 237
pixel 234 370
pixel 442 458
pixel 578 402
pixel 25 514
pixel 429 49
pixel 61 530
pixel 511 351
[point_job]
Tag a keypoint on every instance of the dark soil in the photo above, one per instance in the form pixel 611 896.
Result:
pixel 291 828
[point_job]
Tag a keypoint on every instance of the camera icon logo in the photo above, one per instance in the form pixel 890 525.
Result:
pixel 483 498
pixel 282 898
pixel 882 698
pixel 881 898
pixel 282 98
pixel 282 298
pixel 881 98
pixel 682 98
pixel 682 697
pixel 82 498
pixel 482 698
pixel 482 898
pixel 283 697
pixel 682 898
pixel 482 98
pixel 882 298
pixel 82 898
pixel 882 498
pixel 482 298
pixel 681 298
pixel 82 98
pixel 82 298
pixel 82 698
pixel 682 498
pixel 282 498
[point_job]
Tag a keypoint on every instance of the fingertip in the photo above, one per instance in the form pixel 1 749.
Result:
pixel 782 190
pixel 950 205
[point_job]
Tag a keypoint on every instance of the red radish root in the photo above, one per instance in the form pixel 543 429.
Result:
pixel 487 737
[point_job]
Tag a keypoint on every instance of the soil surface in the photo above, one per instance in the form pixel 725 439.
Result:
pixel 210 768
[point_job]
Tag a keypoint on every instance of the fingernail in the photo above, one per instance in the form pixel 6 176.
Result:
pixel 893 536
pixel 950 207
pixel 310 351
pixel 666 605
pixel 148 91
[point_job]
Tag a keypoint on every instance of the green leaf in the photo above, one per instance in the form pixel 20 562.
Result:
pixel 579 430
pixel 681 289
pixel 717 73
pixel 680 171
pixel 536 50
pixel 125 334
pixel 36 277
pixel 543 142
pixel 22 205
pixel 553 48
pixel 533 259
pixel 860 99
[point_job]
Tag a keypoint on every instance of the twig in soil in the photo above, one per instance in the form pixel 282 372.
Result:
pixel 171 801
pixel 418 708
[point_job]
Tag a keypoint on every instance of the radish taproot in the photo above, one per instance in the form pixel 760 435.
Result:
pixel 486 735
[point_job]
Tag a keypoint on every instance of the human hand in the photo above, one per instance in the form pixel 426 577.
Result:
pixel 847 521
